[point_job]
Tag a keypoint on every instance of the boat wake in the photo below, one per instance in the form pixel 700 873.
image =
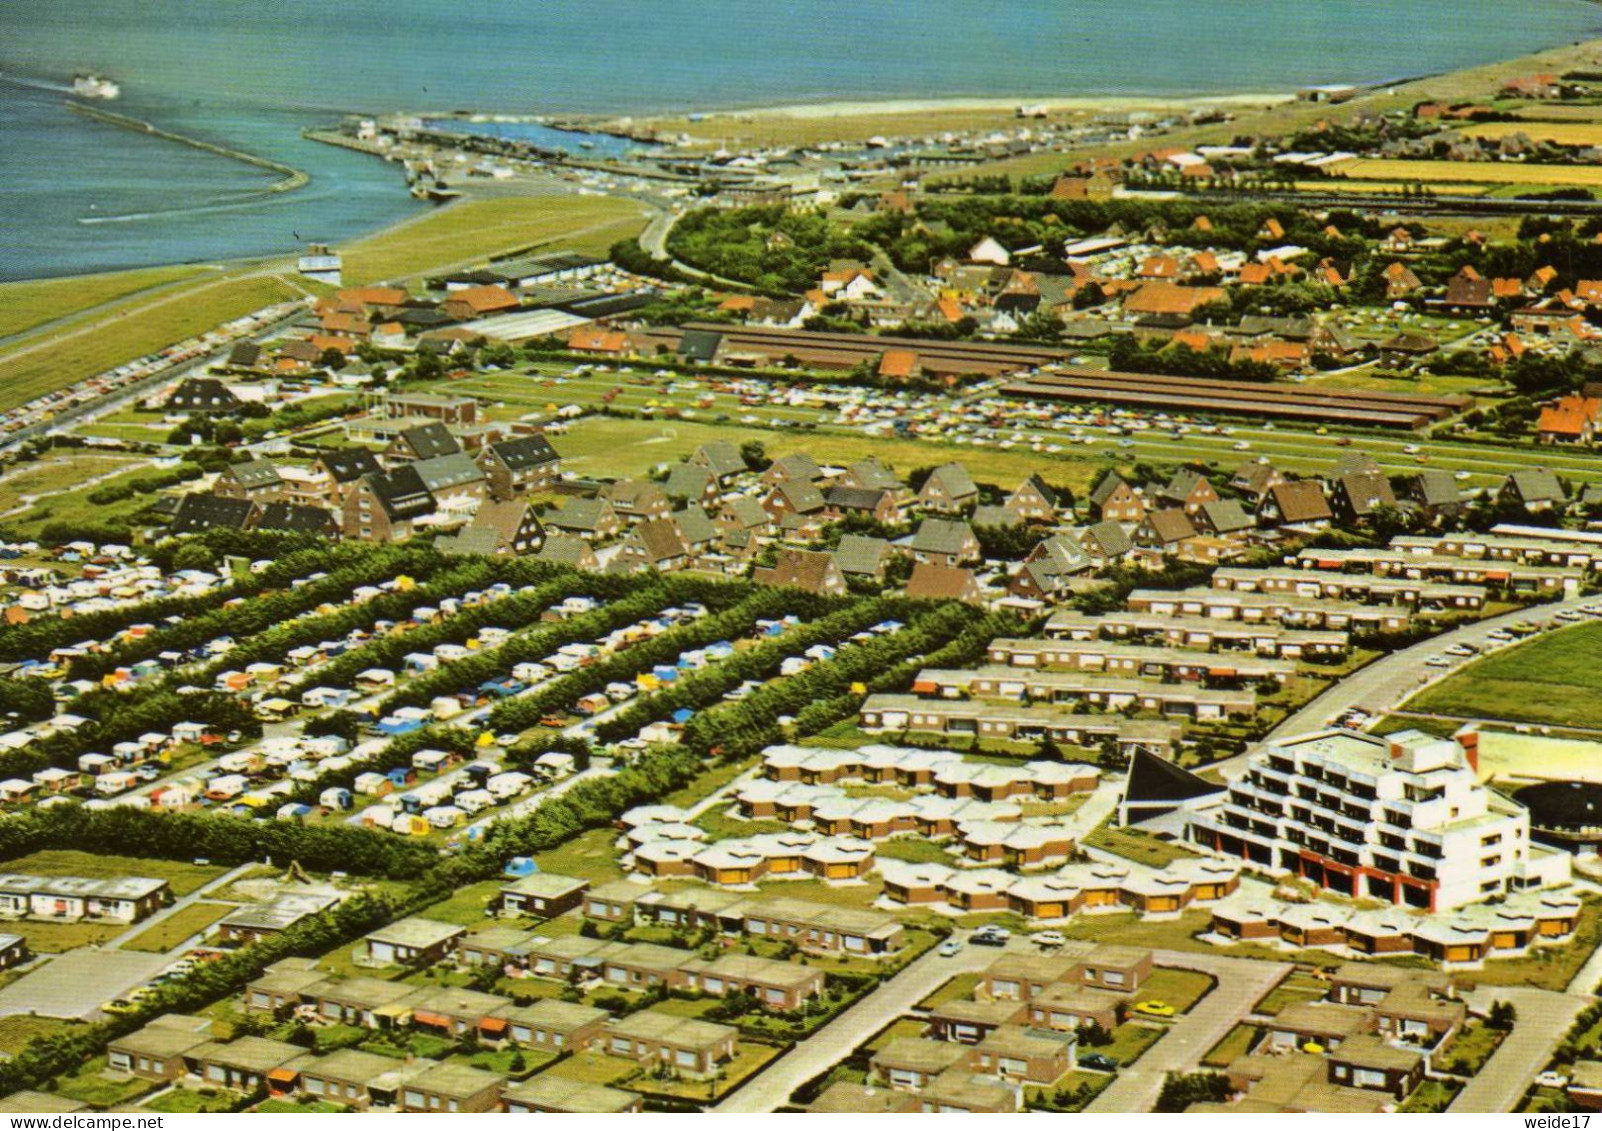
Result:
pixel 37 84
pixel 254 201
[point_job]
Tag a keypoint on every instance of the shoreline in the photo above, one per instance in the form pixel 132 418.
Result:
pixel 847 109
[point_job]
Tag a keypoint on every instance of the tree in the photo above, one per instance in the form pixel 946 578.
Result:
pixel 1180 1090
pixel 755 454
pixel 1501 1016
pixel 194 555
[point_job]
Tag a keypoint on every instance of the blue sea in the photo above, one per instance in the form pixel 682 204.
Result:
pixel 251 74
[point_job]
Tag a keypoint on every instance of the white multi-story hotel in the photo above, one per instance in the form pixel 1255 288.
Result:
pixel 1401 818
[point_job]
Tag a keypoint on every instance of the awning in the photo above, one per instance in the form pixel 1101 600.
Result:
pixel 283 1076
pixel 493 1025
pixel 437 1020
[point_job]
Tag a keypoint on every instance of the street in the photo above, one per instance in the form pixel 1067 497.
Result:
pixel 1543 1018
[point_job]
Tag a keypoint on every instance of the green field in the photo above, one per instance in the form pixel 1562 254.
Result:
pixel 141 325
pixel 1552 680
pixel 474 230
pixel 26 305
pixel 177 927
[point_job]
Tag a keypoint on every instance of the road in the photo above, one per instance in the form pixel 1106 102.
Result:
pixel 772 1087
pixel 1241 983
pixel 1543 1018
pixel 1390 681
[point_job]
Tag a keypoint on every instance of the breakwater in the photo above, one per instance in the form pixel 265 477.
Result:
pixel 290 177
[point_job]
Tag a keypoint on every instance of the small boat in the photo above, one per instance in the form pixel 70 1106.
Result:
pixel 95 86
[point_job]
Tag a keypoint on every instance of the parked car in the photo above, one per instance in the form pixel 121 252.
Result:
pixel 1097 1061
pixel 949 948
pixel 1049 938
pixel 1154 1008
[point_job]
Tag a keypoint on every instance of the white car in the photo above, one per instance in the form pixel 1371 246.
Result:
pixel 1437 662
pixel 950 948
pixel 1551 1079
pixel 1049 938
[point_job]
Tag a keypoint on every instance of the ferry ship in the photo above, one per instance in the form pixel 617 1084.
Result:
pixel 95 86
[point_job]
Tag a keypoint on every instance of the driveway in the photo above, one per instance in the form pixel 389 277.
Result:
pixel 1543 1018
pixel 1241 983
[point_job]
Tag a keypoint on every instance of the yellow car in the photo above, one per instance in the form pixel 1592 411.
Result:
pixel 1155 1009
pixel 118 1005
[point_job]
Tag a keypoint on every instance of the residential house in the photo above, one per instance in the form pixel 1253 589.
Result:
pixel 948 490
pixel 946 542
pixel 1189 490
pixel 412 941
pixel 683 1046
pixel 1535 489
pixel 593 519
pixel 520 467
pixel 815 571
pixel 255 480
pixel 422 441
pixel 1299 504
pixel 1115 500
pixel 936 582
pixel 1035 500
pixel 543 894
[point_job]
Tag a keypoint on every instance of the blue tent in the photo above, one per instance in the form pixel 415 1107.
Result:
pixel 520 866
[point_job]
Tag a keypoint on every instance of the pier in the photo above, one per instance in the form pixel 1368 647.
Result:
pixel 292 178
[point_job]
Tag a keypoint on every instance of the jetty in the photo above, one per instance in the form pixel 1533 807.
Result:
pixel 291 178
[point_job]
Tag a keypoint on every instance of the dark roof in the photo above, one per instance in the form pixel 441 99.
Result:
pixel 421 316
pixel 1155 779
pixel 347 465
pixel 564 549
pixel 694 524
pixel 298 518
pixel 245 354
pixel 478 277
pixel 1537 484
pixel 1170 525
pixel 1300 501
pixel 579 514
pixel 1437 488
pixel 205 512
pixel 1366 490
pixel 525 452
pixel 430 440
pixel 700 345
pixel 955 479
pixel 202 394
pixel 402 493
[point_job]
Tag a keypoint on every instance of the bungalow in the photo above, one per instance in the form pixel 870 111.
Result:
pixel 452 1087
pixel 680 1045
pixel 550 1025
pixel 349 1077
pixel 543 894
pixel 776 984
pixel 243 1065
pixel 157 1051
pixel 412 941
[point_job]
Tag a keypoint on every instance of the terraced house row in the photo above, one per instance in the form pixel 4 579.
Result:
pixel 1065 892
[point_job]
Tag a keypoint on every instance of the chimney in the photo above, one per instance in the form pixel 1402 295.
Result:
pixel 1469 739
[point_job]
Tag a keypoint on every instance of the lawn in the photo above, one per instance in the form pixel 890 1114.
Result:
pixel 1072 1091
pixel 178 926
pixel 1297 986
pixel 63 469
pixel 467 906
pixel 1552 679
pixel 57 938
pixel 1181 989
pixel 1132 844
pixel 18 1029
pixel 1469 1050
pixel 1236 1043
pixel 474 230
pixel 615 446
pixel 594 1068
pixel 749 1059
pixel 132 329
pixel 92 1083
pixel 1432 1096
pixel 959 988
pixel 305 1103
pixel 505 1061
pixel 33 303
pixel 1130 1042
pixel 193 1101
pixel 183 876
pixel 588 856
